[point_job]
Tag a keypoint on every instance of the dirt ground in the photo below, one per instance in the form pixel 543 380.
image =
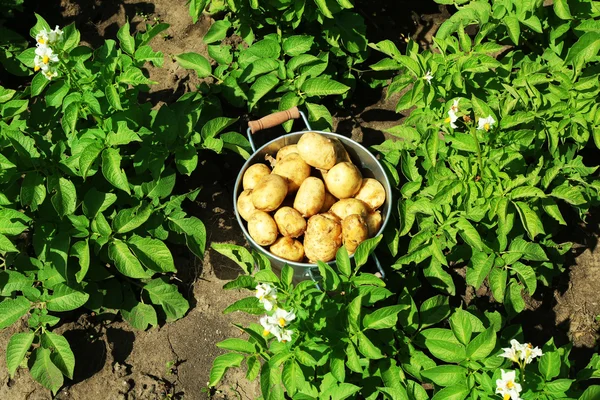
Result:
pixel 173 361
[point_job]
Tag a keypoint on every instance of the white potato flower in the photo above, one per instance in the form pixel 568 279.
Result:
pixel 428 77
pixel 513 352
pixel 43 57
pixel 452 118
pixel 454 107
pixel 507 387
pixel 50 73
pixel 282 318
pixel 267 295
pixel 272 327
pixel 528 352
pixel 486 123
pixel 46 37
pixel 55 35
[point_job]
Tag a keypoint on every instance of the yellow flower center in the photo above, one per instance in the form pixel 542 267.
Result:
pixel 36 68
pixel 447 120
pixel 486 126
pixel 281 322
pixel 45 59
pixel 42 41
pixel 510 384
pixel 266 333
pixel 506 397
pixel 529 345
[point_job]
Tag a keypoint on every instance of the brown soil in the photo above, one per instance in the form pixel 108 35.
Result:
pixel 174 360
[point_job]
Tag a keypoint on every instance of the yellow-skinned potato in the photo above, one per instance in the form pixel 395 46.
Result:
pixel 346 207
pixel 340 151
pixel 322 239
pixel 354 232
pixel 329 201
pixel 294 169
pixel 371 192
pixel 270 192
pixel 310 197
pixel 343 180
pixel 244 205
pixel 285 150
pixel 290 222
pixel 288 248
pixel 262 228
pixel 317 150
pixel 253 175
pixel 374 222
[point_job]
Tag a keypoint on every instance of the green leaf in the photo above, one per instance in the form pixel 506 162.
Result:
pixel 126 41
pixel 438 278
pixel 482 345
pixel 297 44
pixel 13 309
pixel 153 253
pixel 526 192
pixel 112 96
pixel 239 345
pixel 134 76
pixel 568 194
pixel 457 392
pixel 81 250
pixel 168 297
pixel 331 280
pixel 443 344
pixel 460 322
pixel 259 67
pixel 530 220
pixel 585 49
pixel 549 365
pixel 6 245
pixel 44 371
pixel 65 198
pixel 526 276
pixel 445 375
pixel 62 356
pixel 385 317
pixel 513 301
pixel 221 364
pixel 216 125
pixel 33 191
pixel 128 219
pixel 95 202
pixel 323 87
pixel 18 345
pixel 291 375
pixel 364 250
pixel 479 267
pixel 530 251
pixel 195 233
pixel 551 208
pixel 217 31
pixel 124 135
pixel 196 62
pixel 140 316
pixel 434 310
pixel 261 87
pixel 145 53
pixel 561 8
pixel 196 9
pixel 38 84
pixel 111 169
pixel 221 54
pixel 591 393
pixel 367 348
pixel 497 281
pixel 342 261
pixel 514 29
pixel 323 8
pixel 125 262
pixel 65 298
pixel 69 119
pixel 87 157
pixel 186 159
pixel 469 234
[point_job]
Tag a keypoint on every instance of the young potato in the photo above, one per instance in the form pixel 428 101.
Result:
pixel 374 222
pixel 343 180
pixel 270 192
pixel 288 248
pixel 290 222
pixel 354 232
pixel 285 150
pixel 294 169
pixel 371 192
pixel 340 151
pixel 317 150
pixel 346 207
pixel 262 228
pixel 244 205
pixel 322 239
pixel 329 201
pixel 253 175
pixel 310 197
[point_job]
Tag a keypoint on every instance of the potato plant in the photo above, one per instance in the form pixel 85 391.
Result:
pixel 87 200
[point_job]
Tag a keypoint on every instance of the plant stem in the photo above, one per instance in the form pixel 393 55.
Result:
pixel 479 159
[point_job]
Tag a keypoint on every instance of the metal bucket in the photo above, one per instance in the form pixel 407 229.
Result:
pixel 361 157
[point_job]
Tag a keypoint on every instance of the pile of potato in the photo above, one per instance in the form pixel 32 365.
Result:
pixel 315 180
